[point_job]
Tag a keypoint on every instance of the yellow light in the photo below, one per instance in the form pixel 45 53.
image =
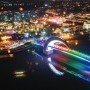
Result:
pixel 11 55
pixel 19 72
pixel 82 33
pixel 76 42
pixel 21 75
pixel 5 37
pixel 9 51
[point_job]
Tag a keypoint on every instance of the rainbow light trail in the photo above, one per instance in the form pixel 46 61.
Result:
pixel 69 71
pixel 79 55
pixel 78 63
pixel 71 61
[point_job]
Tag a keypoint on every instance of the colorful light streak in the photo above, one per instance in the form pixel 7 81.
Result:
pixel 81 74
pixel 37 55
pixel 83 68
pixel 81 56
pixel 72 63
pixel 81 71
pixel 76 66
pixel 37 44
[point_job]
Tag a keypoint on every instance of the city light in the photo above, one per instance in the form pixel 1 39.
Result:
pixel 19 74
pixel 45 35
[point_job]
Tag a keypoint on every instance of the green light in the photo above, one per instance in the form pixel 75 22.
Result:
pixel 77 56
pixel 80 54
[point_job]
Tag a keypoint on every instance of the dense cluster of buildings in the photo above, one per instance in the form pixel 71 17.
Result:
pixel 50 21
pixel 64 18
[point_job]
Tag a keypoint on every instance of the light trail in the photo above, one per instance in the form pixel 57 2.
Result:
pixel 34 43
pixel 58 72
pixel 41 57
pixel 77 66
pixel 69 71
pixel 73 53
pixel 70 65
pixel 81 56
pixel 76 63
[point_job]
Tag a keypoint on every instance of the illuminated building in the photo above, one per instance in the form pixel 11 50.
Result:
pixel 86 25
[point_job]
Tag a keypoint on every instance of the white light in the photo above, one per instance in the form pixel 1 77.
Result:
pixel 55 70
pixel 46 4
pixel 26 34
pixel 19 72
pixel 49 59
pixel 51 44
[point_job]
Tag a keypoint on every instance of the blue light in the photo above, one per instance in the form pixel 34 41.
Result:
pixel 55 70
pixel 26 35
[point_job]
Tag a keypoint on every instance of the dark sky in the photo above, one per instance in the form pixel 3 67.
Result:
pixel 44 0
pixel 39 0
